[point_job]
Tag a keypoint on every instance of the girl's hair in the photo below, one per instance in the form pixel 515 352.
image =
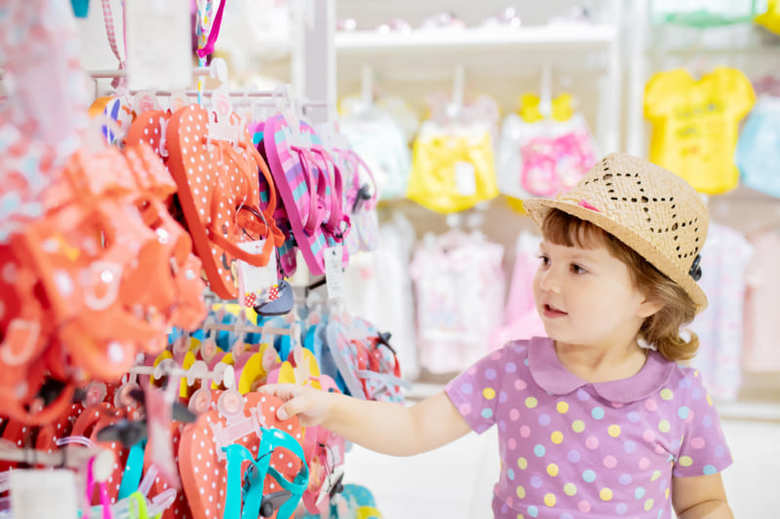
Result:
pixel 661 329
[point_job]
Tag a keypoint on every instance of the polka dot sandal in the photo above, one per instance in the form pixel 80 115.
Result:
pixel 219 194
pixel 240 421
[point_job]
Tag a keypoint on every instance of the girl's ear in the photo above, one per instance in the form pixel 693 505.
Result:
pixel 650 306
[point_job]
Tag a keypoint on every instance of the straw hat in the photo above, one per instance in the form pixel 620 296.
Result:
pixel 648 208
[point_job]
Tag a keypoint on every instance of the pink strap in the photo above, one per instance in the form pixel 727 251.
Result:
pixel 337 215
pixel 108 18
pixel 104 499
pixel 311 222
pixel 209 47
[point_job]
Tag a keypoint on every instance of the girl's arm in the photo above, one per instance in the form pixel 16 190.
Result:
pixel 387 428
pixel 699 497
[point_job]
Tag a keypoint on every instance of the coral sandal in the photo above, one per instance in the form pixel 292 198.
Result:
pixel 238 423
pixel 219 196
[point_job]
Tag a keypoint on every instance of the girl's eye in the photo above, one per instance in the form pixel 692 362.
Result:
pixel 576 269
pixel 545 260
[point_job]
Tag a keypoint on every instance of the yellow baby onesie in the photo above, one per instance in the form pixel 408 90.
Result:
pixel 452 172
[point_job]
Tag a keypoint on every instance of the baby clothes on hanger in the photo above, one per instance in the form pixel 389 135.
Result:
pixel 695 124
pixel 771 17
pixel 452 167
pixel 719 327
pixel 521 320
pixel 460 285
pixel 376 137
pixel 543 157
pixel 762 327
pixel 378 288
pixel 758 149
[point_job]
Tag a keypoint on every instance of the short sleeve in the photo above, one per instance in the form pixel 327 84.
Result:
pixel 737 88
pixel 662 92
pixel 703 450
pixel 476 392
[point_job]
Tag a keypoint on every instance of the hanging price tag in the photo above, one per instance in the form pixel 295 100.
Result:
pixel 334 272
pixel 158 44
pixel 465 179
pixel 255 280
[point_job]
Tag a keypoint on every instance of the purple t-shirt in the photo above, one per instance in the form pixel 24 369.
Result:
pixel 571 449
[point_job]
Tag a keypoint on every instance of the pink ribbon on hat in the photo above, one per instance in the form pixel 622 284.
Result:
pixel 586 205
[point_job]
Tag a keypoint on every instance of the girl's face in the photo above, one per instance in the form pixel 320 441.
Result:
pixel 586 296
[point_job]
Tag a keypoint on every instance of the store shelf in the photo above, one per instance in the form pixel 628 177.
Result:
pixel 716 50
pixel 557 37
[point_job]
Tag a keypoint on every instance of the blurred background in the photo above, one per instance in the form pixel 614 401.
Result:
pixel 521 99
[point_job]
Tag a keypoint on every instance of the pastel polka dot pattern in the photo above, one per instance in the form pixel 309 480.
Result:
pixel 577 449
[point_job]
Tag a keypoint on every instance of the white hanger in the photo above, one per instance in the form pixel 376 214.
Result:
pixel 367 87
pixel 545 91
pixel 455 107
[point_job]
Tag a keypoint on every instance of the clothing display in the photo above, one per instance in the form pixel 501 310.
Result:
pixel 543 157
pixel 452 168
pixel 720 326
pixel 758 149
pixel 459 283
pixel 695 124
pixel 374 134
pixel 761 326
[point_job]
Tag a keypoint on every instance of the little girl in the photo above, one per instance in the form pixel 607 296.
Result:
pixel 597 419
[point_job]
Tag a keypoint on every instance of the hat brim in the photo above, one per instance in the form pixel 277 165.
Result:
pixel 538 208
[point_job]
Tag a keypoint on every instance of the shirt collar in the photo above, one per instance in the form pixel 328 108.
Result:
pixel 548 372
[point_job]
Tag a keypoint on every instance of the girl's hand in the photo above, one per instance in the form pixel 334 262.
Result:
pixel 312 406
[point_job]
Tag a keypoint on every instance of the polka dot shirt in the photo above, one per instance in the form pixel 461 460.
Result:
pixel 572 449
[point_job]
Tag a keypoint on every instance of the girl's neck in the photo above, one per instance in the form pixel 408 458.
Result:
pixel 600 363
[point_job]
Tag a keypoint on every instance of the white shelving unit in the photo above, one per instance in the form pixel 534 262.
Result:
pixel 507 52
pixel 573 37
